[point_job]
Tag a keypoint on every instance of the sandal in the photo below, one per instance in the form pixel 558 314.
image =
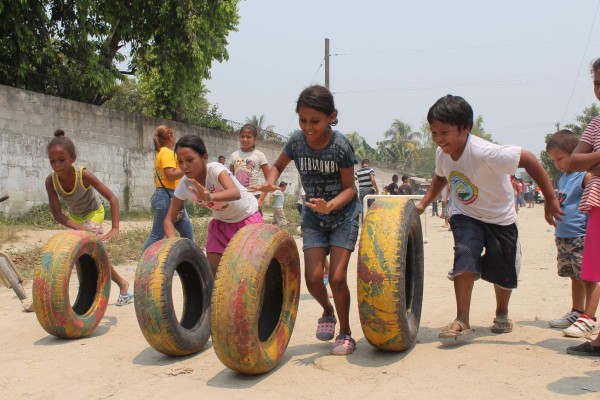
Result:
pixel 449 332
pixel 502 325
pixel 125 298
pixel 326 328
pixel 343 345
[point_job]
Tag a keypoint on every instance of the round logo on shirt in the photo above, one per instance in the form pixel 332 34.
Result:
pixel 465 190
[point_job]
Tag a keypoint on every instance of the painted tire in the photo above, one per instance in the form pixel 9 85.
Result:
pixel 51 284
pixel 255 300
pixel 154 298
pixel 390 274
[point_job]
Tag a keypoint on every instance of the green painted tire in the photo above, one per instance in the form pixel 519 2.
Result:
pixel 390 274
pixel 51 284
pixel 255 300
pixel 153 296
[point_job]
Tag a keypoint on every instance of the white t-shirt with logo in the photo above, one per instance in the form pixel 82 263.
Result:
pixel 480 180
pixel 226 211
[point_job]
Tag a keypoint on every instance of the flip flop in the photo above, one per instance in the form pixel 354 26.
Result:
pixel 125 298
pixel 502 325
pixel 449 332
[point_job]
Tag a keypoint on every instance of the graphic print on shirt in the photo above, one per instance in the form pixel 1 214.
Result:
pixel 243 168
pixel 562 196
pixel 214 205
pixel 322 183
pixel 465 190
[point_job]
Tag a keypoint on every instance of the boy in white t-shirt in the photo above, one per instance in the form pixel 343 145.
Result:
pixel 482 210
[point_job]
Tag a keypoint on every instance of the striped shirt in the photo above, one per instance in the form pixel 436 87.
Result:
pixel 591 193
pixel 363 176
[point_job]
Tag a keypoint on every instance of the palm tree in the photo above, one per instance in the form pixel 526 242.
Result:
pixel 258 122
pixel 402 141
pixel 360 145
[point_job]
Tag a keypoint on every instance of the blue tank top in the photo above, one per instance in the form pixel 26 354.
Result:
pixel 574 222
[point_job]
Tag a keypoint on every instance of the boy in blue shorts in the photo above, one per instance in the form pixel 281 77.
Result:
pixel 482 211
pixel 570 236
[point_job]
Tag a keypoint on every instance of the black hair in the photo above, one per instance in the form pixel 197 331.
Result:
pixel 395 177
pixel 404 178
pixel 193 142
pixel 564 140
pixel 61 140
pixel 453 110
pixel 319 98
pixel 364 162
pixel 595 65
pixel 251 128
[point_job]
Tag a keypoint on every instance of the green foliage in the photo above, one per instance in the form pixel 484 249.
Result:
pixel 71 49
pixel 37 217
pixel 479 131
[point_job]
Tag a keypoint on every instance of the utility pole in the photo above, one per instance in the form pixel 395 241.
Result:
pixel 327 63
pixel 557 126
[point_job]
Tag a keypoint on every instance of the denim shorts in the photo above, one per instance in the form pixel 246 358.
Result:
pixel 343 236
pixel 489 251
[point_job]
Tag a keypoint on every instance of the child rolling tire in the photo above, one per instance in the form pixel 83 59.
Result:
pixel 390 274
pixel 51 284
pixel 255 300
pixel 153 296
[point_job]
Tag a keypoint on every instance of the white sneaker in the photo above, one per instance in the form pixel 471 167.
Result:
pixel 581 327
pixel 566 320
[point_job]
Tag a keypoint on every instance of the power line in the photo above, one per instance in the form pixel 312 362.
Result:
pixel 418 50
pixel 433 86
pixel 582 59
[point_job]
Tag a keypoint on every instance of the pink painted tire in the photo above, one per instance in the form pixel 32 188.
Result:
pixel 153 296
pixel 255 300
pixel 51 284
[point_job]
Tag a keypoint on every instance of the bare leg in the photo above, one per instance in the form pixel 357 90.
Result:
pixel 339 286
pixel 463 289
pixel 314 260
pixel 578 294
pixel 502 300
pixel 118 279
pixel 213 260
pixel 592 290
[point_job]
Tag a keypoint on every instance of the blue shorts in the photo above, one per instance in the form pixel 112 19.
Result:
pixel 501 262
pixel 343 236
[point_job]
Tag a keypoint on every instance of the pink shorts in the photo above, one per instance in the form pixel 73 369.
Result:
pixel 220 233
pixel 590 266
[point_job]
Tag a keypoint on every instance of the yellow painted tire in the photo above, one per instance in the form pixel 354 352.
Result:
pixel 153 296
pixel 255 300
pixel 390 274
pixel 51 284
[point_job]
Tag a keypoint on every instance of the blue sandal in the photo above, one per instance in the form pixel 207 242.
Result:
pixel 125 298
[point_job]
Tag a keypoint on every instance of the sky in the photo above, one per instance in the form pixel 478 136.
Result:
pixel 522 65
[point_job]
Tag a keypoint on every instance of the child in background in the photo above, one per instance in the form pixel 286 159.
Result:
pixel 247 162
pixel 212 186
pixel 392 188
pixel 405 188
pixel 482 209
pixel 278 213
pixel 166 177
pixel 325 160
pixel 570 235
pixel 586 157
pixel 76 188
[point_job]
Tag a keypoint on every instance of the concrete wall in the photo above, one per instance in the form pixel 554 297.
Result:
pixel 116 146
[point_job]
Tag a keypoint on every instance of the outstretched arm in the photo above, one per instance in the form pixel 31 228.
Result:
pixel 91 179
pixel 437 184
pixel 57 210
pixel 535 170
